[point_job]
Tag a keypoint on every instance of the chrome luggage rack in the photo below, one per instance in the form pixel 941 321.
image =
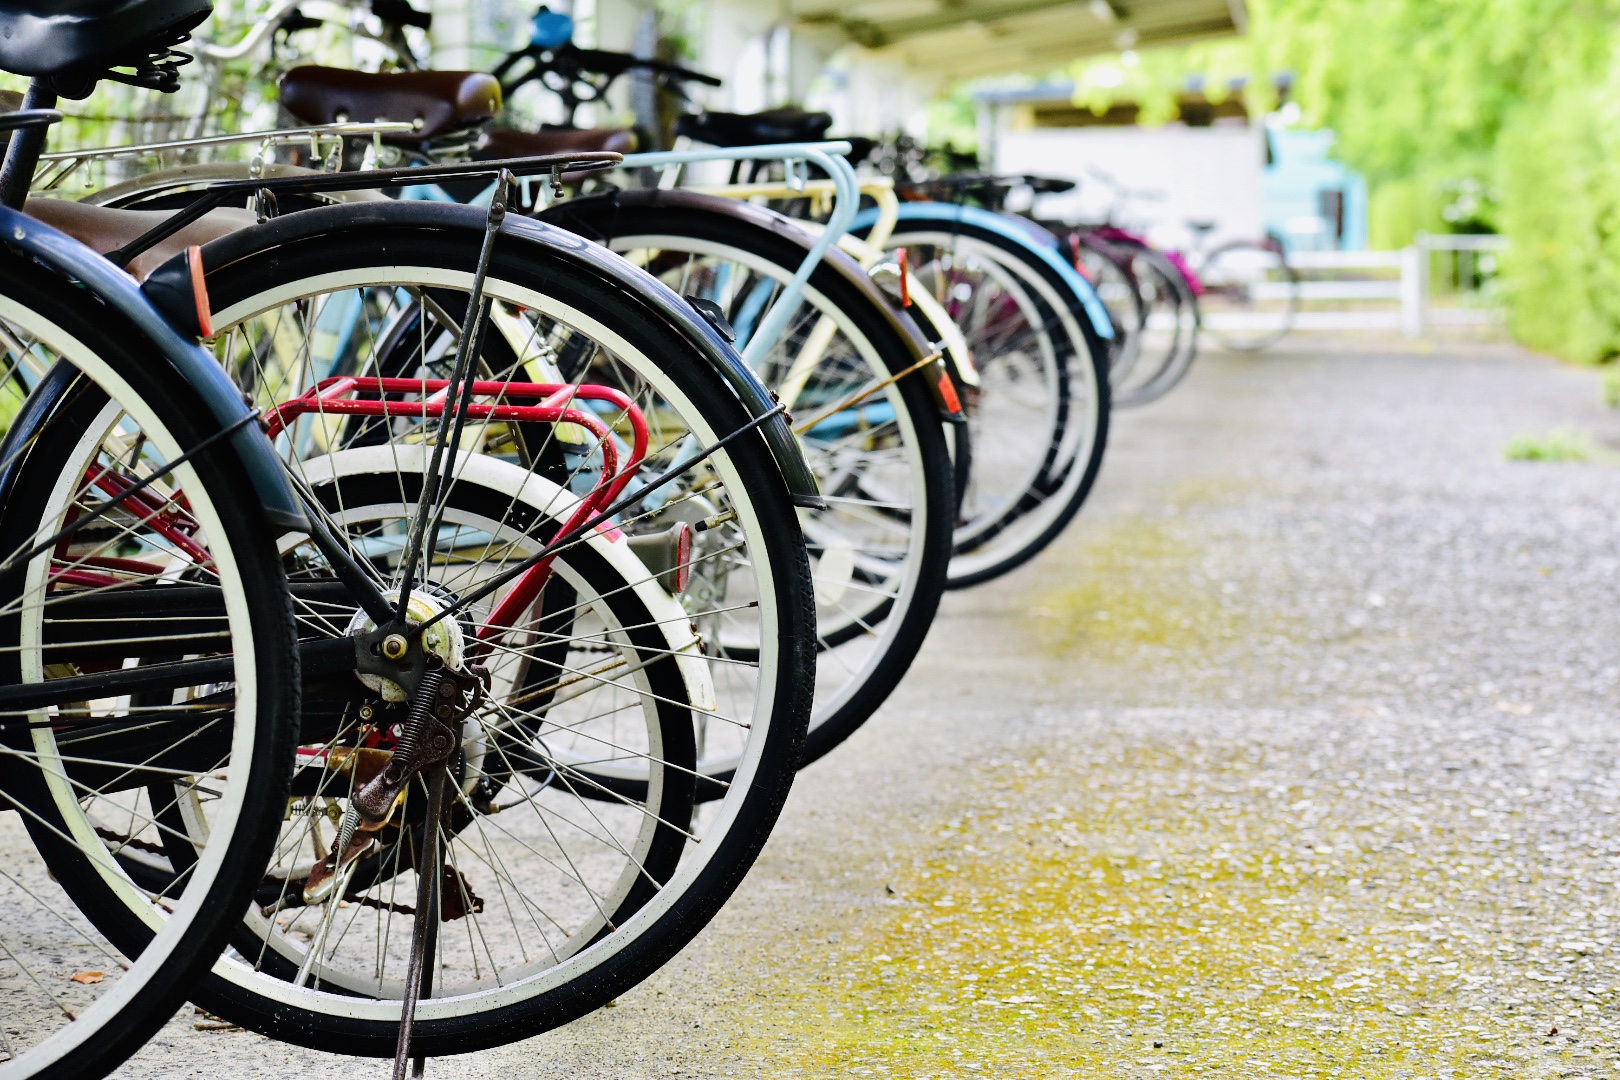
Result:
pixel 325 142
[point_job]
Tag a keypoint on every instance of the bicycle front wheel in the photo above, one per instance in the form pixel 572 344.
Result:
pixel 146 637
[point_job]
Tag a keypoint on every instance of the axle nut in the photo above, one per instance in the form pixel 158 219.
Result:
pixel 394 647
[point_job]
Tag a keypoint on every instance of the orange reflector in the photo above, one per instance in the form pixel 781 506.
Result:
pixel 905 280
pixel 947 390
pixel 199 291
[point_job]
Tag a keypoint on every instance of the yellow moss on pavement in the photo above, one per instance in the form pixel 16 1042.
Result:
pixel 1153 910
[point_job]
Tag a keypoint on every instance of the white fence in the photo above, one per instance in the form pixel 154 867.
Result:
pixel 1403 279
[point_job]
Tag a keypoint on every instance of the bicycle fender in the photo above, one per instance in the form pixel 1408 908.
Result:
pixel 189 364
pixel 330 222
pixel 1010 229
pixel 592 217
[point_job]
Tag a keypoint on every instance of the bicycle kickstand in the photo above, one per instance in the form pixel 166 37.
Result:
pixel 425 929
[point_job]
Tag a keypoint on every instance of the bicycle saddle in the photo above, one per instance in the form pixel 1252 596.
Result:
pixel 436 101
pixel 511 143
pixel 750 129
pixel 57 37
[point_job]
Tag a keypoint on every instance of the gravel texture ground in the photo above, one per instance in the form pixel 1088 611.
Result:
pixel 1294 757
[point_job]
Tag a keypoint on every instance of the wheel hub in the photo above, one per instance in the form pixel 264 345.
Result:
pixel 446 639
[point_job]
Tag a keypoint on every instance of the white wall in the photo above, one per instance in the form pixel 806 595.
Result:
pixel 1212 173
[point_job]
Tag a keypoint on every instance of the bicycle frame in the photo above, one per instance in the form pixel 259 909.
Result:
pixel 846 197
pixel 869 253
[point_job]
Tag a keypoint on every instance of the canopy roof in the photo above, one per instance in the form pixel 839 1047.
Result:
pixel 967 38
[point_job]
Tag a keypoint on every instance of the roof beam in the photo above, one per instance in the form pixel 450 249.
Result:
pixel 994 36
pixel 875 35
pixel 969 56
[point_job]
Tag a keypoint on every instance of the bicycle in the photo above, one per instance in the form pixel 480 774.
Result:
pixel 1048 448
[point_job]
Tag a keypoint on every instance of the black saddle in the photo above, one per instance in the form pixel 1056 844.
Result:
pixel 86 37
pixel 755 129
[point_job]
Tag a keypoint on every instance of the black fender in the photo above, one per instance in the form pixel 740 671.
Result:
pixel 170 286
pixel 179 359
pixel 595 218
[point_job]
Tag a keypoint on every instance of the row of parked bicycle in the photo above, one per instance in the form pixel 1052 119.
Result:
pixel 421 660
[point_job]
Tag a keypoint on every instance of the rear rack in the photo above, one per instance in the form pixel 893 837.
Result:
pixel 215 195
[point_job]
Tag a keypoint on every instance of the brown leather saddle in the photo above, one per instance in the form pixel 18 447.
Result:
pixel 510 143
pixel 437 102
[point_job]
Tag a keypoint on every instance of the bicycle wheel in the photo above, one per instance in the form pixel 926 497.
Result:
pixel 1169 340
pixel 1250 295
pixel 329 292
pixel 866 414
pixel 1039 420
pixel 145 633
pixel 1109 270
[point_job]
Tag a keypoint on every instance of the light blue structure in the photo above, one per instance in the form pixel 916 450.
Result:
pixel 1300 170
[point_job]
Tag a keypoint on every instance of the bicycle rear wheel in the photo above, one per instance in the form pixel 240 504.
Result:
pixel 327 292
pixel 1169 339
pixel 865 412
pixel 1040 418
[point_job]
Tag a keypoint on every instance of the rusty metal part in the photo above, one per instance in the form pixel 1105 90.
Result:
pixel 324 875
pixel 426 737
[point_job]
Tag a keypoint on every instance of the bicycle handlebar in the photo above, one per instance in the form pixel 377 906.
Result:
pixel 571 60
pixel 584 75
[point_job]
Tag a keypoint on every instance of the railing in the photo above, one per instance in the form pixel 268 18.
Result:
pixel 1405 279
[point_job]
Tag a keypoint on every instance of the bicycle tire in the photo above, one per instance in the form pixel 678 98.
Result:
pixel 1166 291
pixel 1077 442
pixel 106 391
pixel 1235 287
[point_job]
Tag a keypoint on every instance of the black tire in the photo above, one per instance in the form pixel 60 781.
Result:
pixel 112 353
pixel 1109 270
pixel 1237 277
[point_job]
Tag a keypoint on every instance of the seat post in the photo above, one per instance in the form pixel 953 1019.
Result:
pixel 25 146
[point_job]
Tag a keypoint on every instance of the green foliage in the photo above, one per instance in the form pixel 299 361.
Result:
pixel 1400 209
pixel 1562 443
pixel 1611 387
